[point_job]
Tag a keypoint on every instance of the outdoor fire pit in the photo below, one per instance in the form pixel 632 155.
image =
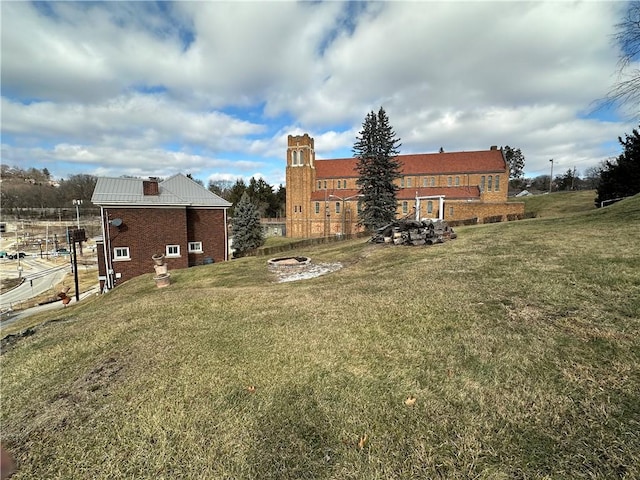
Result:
pixel 288 263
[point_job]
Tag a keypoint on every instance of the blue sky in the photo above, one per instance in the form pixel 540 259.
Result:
pixel 214 88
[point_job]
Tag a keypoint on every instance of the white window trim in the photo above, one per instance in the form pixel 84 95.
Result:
pixel 195 247
pixel 172 255
pixel 121 258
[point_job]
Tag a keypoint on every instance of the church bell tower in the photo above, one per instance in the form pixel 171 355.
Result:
pixel 300 177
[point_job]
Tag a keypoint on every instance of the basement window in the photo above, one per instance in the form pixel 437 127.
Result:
pixel 121 253
pixel 173 251
pixel 195 247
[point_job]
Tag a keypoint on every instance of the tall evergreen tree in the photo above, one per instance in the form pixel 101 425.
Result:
pixel 376 149
pixel 246 229
pixel 515 159
pixel 621 177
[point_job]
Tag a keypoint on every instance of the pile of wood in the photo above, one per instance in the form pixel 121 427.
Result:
pixel 414 232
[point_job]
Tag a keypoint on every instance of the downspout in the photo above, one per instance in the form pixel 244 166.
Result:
pixel 104 248
pixel 109 259
pixel 226 237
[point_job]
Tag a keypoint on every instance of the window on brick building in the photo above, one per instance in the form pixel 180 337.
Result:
pixel 449 181
pixel 405 206
pixel 451 212
pixel 325 184
pixel 457 181
pixel 339 183
pixel 489 183
pixel 294 158
pixel 319 185
pixel 121 253
pixel 402 182
pixel 337 207
pixel 425 181
pixel 429 206
pixel 317 207
pixel 173 251
pixel 409 182
pixel 433 181
pixel 482 180
pixel 195 247
pixel 496 187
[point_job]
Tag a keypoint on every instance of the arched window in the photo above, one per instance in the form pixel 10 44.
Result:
pixel 489 183
pixel 429 206
pixel 317 207
pixel 337 207
pixel 294 158
pixel 457 181
pixel 448 181
pixel 405 206
pixel 339 183
pixel 497 185
pixel 300 158
pixel 482 180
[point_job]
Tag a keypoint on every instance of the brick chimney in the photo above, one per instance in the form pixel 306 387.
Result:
pixel 150 187
pixel 494 147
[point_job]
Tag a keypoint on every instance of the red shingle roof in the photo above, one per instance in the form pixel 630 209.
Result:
pixel 488 161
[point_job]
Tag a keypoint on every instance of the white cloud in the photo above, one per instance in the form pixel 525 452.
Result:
pixel 216 87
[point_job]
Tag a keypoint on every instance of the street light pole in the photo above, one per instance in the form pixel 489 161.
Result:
pixel 77 203
pixel 551 177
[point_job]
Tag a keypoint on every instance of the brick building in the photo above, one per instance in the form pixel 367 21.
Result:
pixel 177 218
pixel 322 195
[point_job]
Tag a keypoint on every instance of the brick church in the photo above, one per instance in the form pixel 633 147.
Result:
pixel 323 198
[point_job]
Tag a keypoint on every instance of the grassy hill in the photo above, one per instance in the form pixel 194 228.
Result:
pixel 519 343
pixel 559 204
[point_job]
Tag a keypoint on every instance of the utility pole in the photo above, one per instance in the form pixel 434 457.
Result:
pixel 551 177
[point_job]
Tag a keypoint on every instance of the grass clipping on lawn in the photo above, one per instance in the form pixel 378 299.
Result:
pixel 511 352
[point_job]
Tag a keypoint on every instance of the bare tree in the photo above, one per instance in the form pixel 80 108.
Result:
pixel 626 90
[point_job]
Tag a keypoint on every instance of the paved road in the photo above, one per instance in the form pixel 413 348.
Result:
pixel 33 285
pixel 49 306
pixel 39 276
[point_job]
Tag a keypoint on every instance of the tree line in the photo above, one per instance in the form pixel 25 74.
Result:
pixel 31 192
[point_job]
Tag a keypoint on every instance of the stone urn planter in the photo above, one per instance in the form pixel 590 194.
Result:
pixel 161 269
pixel 158 259
pixel 162 280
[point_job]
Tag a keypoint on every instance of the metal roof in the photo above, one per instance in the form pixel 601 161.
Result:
pixel 177 190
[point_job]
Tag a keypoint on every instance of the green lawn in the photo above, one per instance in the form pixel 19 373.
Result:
pixel 519 342
pixel 559 204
